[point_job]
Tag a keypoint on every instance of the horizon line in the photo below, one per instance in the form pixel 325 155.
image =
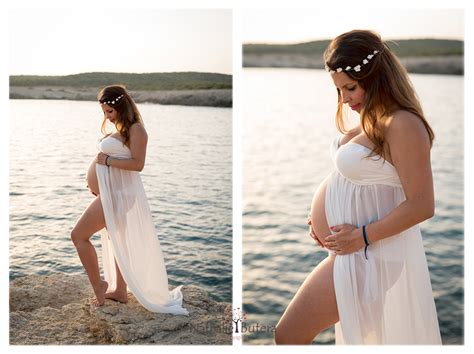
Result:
pixel 326 39
pixel 123 72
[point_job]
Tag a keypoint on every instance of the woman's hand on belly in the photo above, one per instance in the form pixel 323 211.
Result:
pixel 347 239
pixel 312 233
pixel 101 158
pixel 90 190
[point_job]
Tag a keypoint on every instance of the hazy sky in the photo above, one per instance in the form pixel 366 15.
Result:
pixel 65 41
pixel 299 25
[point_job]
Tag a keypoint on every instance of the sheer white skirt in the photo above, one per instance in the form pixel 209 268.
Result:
pixel 387 298
pixel 130 238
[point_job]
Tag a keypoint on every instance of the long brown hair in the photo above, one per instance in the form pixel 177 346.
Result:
pixel 126 108
pixel 385 82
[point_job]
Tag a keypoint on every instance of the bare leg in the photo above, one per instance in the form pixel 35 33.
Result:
pixel 91 221
pixel 120 293
pixel 312 310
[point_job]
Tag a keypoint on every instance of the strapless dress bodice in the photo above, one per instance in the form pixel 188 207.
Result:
pixel 114 147
pixel 353 162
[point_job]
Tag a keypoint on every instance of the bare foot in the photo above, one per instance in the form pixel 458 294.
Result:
pixel 117 295
pixel 100 294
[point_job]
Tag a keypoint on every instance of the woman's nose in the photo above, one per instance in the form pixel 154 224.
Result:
pixel 345 98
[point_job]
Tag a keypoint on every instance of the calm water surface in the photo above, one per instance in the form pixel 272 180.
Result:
pixel 187 178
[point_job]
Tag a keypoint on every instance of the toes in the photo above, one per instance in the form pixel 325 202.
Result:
pixel 97 303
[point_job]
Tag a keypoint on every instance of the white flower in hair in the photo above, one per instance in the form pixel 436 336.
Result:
pixel 357 68
pixel 113 101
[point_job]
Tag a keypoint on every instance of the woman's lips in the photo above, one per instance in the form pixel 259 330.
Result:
pixel 354 107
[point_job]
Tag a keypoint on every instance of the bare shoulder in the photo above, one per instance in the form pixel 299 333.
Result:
pixel 137 131
pixel 404 127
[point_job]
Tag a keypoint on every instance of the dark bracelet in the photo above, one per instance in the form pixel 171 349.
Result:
pixel 106 159
pixel 364 234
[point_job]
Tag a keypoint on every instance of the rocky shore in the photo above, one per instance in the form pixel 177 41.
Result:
pixel 448 65
pixel 56 309
pixel 212 98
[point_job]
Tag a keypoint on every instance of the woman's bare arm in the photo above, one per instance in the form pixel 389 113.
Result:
pixel 410 152
pixel 138 143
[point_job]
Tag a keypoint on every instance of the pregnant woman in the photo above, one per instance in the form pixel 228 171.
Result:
pixel 374 286
pixel 131 250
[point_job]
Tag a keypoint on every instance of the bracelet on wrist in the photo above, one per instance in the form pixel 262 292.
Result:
pixel 366 241
pixel 107 161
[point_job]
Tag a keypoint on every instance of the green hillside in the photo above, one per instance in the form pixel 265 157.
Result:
pixel 403 47
pixel 150 81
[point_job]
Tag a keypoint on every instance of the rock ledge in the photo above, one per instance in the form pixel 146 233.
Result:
pixel 56 309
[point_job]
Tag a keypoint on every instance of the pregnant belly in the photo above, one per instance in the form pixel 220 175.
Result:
pixel 91 179
pixel 318 211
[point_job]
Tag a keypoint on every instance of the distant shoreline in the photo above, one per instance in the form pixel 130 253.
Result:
pixel 209 98
pixel 418 55
pixel 442 65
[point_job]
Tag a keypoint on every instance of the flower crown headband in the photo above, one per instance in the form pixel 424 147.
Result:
pixel 355 68
pixel 113 101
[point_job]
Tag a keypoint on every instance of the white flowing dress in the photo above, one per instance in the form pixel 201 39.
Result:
pixel 386 298
pixel 130 236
